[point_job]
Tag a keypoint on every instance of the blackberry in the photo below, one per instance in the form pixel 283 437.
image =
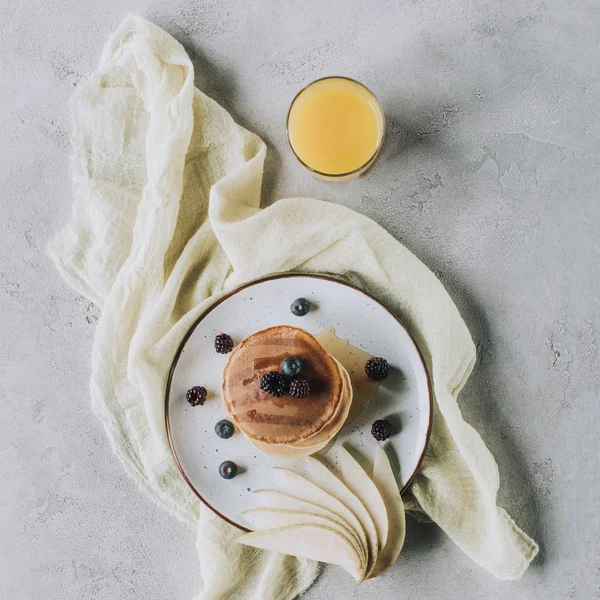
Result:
pixel 377 368
pixel 228 469
pixel 381 430
pixel 224 429
pixel 274 383
pixel 196 396
pixel 299 388
pixel 291 366
pixel 223 343
pixel 300 307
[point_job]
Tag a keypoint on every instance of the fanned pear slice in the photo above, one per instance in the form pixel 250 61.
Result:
pixel 299 486
pixel 362 485
pixel 269 518
pixel 314 542
pixel 320 475
pixel 279 500
pixel 385 480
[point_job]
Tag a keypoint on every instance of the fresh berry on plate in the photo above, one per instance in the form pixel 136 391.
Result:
pixel 300 307
pixel 299 388
pixel 224 429
pixel 377 368
pixel 196 396
pixel 381 430
pixel 223 343
pixel 274 383
pixel 291 366
pixel 228 469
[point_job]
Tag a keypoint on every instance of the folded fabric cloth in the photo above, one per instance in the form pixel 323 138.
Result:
pixel 166 218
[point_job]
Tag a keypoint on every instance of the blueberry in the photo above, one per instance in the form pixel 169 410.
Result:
pixel 300 307
pixel 224 429
pixel 291 366
pixel 228 469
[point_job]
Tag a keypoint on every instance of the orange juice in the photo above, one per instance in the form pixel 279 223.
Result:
pixel 335 127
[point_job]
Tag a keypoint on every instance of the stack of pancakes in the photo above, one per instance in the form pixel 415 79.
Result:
pixel 286 426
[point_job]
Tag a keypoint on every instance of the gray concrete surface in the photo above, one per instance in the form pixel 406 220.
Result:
pixel 489 173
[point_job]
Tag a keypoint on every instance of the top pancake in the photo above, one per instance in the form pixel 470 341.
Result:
pixel 282 420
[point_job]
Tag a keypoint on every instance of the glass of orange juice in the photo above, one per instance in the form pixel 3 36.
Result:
pixel 335 128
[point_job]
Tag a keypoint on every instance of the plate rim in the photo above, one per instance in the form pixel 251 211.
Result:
pixel 240 288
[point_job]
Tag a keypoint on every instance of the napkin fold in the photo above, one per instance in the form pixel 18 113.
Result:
pixel 166 219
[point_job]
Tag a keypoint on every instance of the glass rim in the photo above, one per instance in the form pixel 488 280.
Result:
pixel 379 143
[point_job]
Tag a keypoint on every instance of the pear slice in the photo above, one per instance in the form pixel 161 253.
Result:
pixel 269 518
pixel 302 488
pixel 385 480
pixel 315 542
pixel 320 475
pixel 279 500
pixel 363 487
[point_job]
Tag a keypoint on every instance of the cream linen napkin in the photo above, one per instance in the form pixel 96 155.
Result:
pixel 166 218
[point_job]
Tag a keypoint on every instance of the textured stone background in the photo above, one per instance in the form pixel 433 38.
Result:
pixel 489 174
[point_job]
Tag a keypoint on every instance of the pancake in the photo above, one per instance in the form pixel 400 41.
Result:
pixel 286 420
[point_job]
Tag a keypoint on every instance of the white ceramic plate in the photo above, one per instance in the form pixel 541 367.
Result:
pixel 405 396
